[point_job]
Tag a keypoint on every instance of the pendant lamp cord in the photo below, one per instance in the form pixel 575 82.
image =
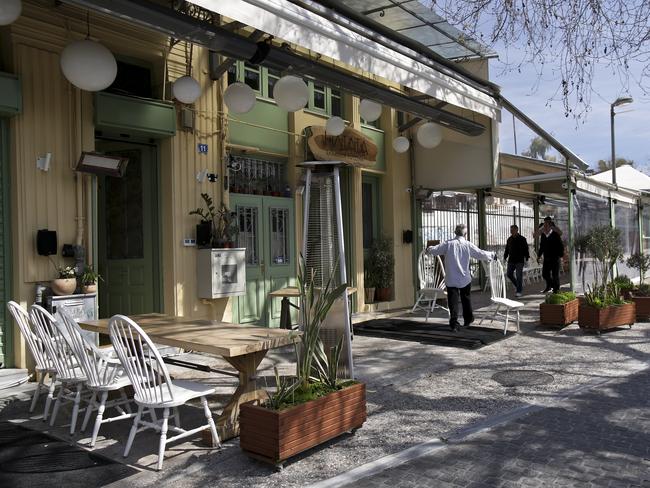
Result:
pixel 87 24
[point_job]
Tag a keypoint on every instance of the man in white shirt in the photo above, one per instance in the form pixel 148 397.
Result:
pixel 457 252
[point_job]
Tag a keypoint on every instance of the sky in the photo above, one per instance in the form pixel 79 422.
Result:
pixel 588 137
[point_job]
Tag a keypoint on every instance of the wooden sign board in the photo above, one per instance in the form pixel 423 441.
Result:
pixel 352 147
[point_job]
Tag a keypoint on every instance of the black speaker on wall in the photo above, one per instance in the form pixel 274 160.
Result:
pixel 46 242
pixel 407 236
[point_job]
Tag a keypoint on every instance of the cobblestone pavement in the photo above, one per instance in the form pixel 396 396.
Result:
pixel 597 438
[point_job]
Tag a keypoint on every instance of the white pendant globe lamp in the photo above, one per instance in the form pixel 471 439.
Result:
pixel 429 135
pixel 186 89
pixel 335 126
pixel 88 65
pixel 369 110
pixel 239 98
pixel 291 93
pixel 401 144
pixel 10 11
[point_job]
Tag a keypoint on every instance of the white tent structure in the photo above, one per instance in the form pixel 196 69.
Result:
pixel 626 177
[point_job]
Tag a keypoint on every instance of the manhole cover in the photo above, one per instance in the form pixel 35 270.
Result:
pixel 522 377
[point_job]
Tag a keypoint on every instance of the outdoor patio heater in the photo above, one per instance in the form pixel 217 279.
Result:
pixel 323 249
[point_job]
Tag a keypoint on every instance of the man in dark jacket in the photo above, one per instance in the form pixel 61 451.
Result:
pixel 516 254
pixel 552 249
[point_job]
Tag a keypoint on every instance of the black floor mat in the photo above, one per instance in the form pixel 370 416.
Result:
pixel 29 459
pixel 431 333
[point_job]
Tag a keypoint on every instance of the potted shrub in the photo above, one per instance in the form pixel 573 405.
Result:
pixel 381 263
pixel 206 230
pixel 66 283
pixel 89 279
pixel 603 306
pixel 368 280
pixel 559 309
pixel 315 405
pixel 640 295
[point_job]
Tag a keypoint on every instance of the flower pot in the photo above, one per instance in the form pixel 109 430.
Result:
pixel 642 308
pixel 383 294
pixel 558 315
pixel 89 288
pixel 591 318
pixel 63 286
pixel 369 295
pixel 274 436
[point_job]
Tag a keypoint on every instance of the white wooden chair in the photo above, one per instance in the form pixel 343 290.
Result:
pixel 431 273
pixel 494 270
pixel 44 366
pixel 152 385
pixel 103 374
pixel 68 371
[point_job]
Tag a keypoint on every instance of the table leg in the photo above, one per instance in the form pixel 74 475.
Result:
pixel 285 315
pixel 228 421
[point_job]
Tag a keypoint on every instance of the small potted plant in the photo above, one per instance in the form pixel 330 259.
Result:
pixel 603 306
pixel 66 283
pixel 559 309
pixel 89 279
pixel 368 280
pixel 381 263
pixel 315 405
pixel 640 295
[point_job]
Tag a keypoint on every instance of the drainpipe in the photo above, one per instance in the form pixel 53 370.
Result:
pixel 415 223
pixel 80 209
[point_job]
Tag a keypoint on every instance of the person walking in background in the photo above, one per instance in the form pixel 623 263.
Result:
pixel 516 254
pixel 551 248
pixel 457 252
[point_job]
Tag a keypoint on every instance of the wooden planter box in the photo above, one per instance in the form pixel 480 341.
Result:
pixel 558 315
pixel 606 318
pixel 274 436
pixel 642 308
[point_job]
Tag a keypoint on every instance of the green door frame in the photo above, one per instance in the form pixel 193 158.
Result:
pixel 6 351
pixel 158 294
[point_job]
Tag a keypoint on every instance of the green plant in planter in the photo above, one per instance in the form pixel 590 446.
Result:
pixel 64 271
pixel 316 368
pixel 381 263
pixel 90 276
pixel 228 224
pixel 641 262
pixel 560 298
pixel 209 215
pixel 643 290
pixel 623 283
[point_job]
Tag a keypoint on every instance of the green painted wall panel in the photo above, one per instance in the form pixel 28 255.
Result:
pixel 377 137
pixel 10 95
pixel 149 118
pixel 263 114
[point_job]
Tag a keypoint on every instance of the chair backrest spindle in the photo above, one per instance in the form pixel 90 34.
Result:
pixel 36 346
pixel 431 271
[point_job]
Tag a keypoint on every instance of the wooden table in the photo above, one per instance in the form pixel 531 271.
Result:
pixel 293 292
pixel 243 347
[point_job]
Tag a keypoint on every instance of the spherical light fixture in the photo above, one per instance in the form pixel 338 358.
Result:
pixel 369 110
pixel 429 135
pixel 291 93
pixel 239 98
pixel 335 126
pixel 10 11
pixel 88 65
pixel 186 89
pixel 401 144
pixel 490 200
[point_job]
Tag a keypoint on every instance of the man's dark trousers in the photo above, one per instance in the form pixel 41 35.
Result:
pixel 453 295
pixel 551 273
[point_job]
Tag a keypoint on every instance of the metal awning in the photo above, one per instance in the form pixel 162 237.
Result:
pixel 303 27
pixel 418 22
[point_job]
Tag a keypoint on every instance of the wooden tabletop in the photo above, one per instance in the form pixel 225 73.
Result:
pixel 292 292
pixel 222 338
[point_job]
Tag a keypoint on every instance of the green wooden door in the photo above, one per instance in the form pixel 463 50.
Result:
pixel 6 338
pixel 128 233
pixel 266 230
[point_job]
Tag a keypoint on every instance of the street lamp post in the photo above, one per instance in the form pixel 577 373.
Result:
pixel 617 103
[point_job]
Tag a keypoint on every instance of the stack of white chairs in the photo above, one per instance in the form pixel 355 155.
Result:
pixel 494 270
pixel 44 366
pixel 68 372
pixel 431 273
pixel 153 387
pixel 103 374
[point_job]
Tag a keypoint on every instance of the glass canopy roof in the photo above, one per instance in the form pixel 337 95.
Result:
pixel 417 21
